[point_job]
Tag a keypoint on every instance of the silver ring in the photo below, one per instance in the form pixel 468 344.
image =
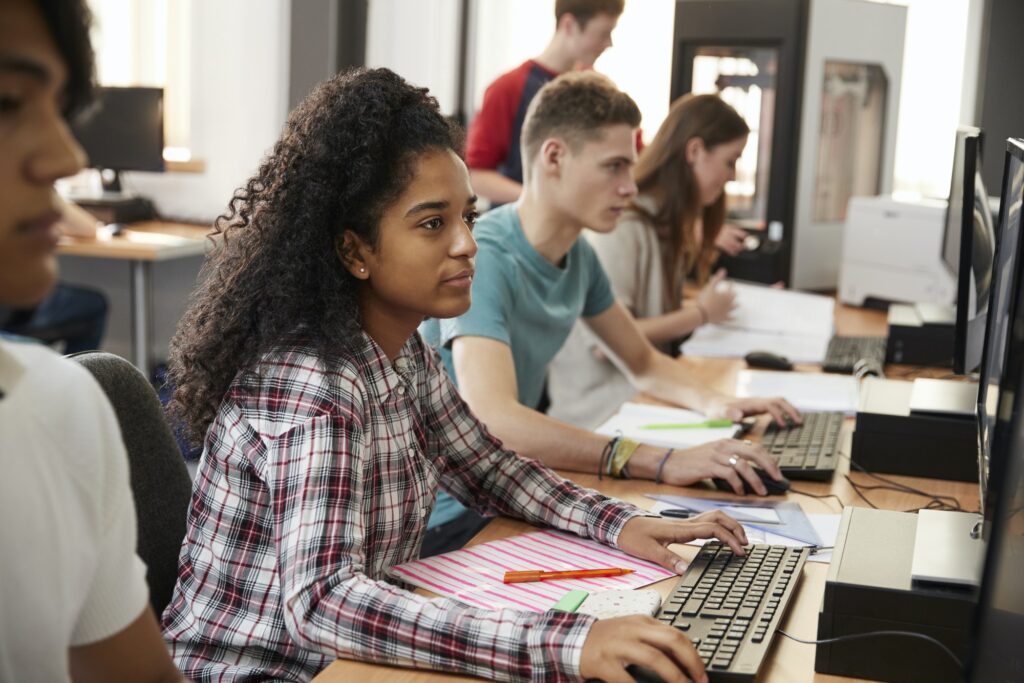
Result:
pixel 748 442
pixel 733 461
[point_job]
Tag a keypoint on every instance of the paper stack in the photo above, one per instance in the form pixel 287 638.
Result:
pixel 793 324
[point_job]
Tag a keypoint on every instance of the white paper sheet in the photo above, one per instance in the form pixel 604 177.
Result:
pixel 789 323
pixel 808 391
pixel 632 417
pixel 723 342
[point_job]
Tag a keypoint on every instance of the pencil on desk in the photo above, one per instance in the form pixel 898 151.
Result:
pixel 539 575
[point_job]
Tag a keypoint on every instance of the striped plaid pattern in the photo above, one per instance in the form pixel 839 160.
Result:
pixel 314 481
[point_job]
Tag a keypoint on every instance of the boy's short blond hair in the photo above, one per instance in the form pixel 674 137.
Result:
pixel 585 10
pixel 575 107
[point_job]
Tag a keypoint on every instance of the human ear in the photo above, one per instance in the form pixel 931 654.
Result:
pixel 552 155
pixel 351 252
pixel 568 24
pixel 694 149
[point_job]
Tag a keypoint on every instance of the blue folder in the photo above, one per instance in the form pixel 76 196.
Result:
pixel 794 522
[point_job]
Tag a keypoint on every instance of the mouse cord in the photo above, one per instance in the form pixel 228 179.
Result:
pixel 819 496
pixel 872 634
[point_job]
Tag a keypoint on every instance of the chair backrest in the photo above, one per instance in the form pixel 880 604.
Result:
pixel 159 479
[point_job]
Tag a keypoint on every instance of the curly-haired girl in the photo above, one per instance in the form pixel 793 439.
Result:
pixel 329 425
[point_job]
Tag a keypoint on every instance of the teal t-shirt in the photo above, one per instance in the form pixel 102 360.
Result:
pixel 524 301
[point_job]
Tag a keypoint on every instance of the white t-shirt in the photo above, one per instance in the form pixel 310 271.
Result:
pixel 69 574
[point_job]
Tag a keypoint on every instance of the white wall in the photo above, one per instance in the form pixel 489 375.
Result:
pixel 419 40
pixel 239 103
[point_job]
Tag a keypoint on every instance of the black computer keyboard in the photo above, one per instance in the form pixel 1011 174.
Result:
pixel 809 450
pixel 731 606
pixel 855 356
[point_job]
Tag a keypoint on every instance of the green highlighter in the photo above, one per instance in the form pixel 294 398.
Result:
pixel 571 601
pixel 706 424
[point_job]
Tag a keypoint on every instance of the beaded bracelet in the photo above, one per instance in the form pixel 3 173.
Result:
pixel 661 465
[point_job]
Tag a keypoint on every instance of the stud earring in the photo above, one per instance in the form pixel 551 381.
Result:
pixel 362 270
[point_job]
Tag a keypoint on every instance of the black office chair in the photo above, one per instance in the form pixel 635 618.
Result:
pixel 159 480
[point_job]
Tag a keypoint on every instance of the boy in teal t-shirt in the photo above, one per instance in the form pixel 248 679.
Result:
pixel 535 277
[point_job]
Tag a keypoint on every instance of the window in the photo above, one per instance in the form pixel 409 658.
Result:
pixel 146 43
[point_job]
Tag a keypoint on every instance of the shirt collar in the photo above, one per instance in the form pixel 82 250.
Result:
pixel 385 378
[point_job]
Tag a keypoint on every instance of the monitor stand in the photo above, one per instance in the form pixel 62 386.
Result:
pixel 115 205
pixel 947 548
pixel 921 334
pixel 924 428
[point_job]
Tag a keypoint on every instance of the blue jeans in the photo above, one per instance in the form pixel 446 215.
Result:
pixel 74 315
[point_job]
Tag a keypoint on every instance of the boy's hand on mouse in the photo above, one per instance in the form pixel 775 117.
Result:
pixel 727 459
pixel 735 409
pixel 716 299
pixel 614 644
pixel 649 537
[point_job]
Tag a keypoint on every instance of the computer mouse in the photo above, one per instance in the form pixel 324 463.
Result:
pixel 775 487
pixel 642 674
pixel 116 229
pixel 767 360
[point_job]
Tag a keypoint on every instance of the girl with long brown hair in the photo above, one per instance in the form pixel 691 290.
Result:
pixel 668 234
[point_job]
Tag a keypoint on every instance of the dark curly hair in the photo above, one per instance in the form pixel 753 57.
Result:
pixel 275 277
pixel 68 22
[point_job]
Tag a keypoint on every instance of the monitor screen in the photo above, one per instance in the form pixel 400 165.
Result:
pixel 996 654
pixel 126 130
pixel 1005 289
pixel 968 248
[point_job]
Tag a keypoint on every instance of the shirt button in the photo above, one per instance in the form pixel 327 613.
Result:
pixel 400 389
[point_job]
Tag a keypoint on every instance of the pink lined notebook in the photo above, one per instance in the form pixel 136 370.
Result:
pixel 474 575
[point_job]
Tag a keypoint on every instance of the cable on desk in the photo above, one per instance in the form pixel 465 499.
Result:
pixel 873 634
pixel 819 496
pixel 935 501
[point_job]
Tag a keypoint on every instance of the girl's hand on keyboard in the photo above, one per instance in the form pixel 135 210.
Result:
pixel 728 459
pixel 649 537
pixel 614 644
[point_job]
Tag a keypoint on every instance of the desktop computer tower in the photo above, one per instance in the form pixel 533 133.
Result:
pixel 821 103
pixel 869 588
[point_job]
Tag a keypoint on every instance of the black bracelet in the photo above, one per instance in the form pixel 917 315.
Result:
pixel 661 465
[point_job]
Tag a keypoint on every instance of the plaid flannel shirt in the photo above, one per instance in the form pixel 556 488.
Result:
pixel 314 481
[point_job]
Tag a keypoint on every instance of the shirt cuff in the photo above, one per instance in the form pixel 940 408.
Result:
pixel 607 519
pixel 555 645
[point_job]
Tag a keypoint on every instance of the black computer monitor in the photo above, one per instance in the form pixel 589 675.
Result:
pixel 968 246
pixel 1004 308
pixel 996 653
pixel 125 132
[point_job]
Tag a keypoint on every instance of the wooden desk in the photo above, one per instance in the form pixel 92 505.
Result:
pixel 788 661
pixel 141 245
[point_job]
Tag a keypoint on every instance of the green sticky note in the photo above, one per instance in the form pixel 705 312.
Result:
pixel 571 601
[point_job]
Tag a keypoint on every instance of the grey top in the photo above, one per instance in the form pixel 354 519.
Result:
pixel 584 386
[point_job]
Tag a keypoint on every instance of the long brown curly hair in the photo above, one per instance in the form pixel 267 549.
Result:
pixel 275 275
pixel 663 171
